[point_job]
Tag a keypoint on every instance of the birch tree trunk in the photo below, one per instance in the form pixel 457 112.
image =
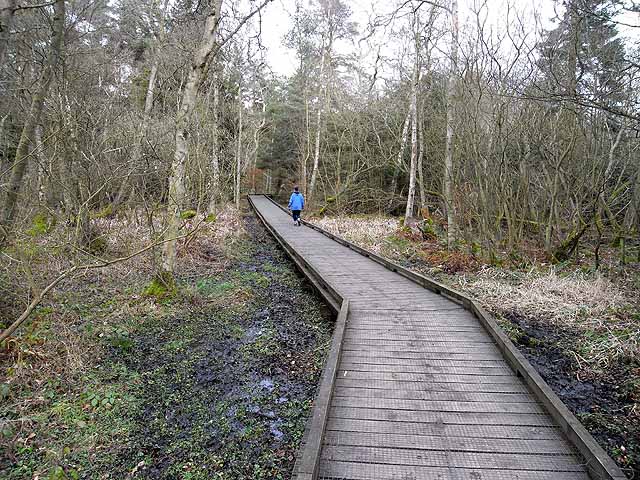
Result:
pixel 423 199
pixel 632 216
pixel 414 125
pixel 33 117
pixel 316 152
pixel 238 178
pixel 448 155
pixel 403 144
pixel 215 154
pixel 176 180
pixel 43 167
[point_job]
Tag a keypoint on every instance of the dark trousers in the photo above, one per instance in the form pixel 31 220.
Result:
pixel 296 215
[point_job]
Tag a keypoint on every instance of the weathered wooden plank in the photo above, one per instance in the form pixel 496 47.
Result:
pixel 425 368
pixel 427 458
pixel 511 379
pixel 388 327
pixel 439 442
pixel 412 405
pixel 433 386
pixel 419 347
pixel 339 470
pixel 353 357
pixel 492 355
pixel 426 337
pixel 460 418
pixel 446 430
pixel 310 454
pixel 365 392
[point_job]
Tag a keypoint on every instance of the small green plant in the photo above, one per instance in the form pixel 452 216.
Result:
pixel 58 473
pixel 211 218
pixel 121 340
pixel 175 345
pixel 98 400
pixel 41 224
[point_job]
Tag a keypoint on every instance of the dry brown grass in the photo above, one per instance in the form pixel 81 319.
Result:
pixel 370 232
pixel 589 303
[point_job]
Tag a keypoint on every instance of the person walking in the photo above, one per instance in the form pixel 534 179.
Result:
pixel 296 205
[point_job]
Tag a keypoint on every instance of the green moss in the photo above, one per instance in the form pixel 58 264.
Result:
pixel 211 218
pixel 98 245
pixel 187 214
pixel 162 287
pixel 254 278
pixel 104 212
pixel 399 242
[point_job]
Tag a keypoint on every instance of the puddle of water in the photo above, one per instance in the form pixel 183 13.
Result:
pixel 274 427
pixel 267 384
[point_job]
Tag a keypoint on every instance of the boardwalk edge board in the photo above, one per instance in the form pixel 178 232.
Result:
pixel 308 461
pixel 598 463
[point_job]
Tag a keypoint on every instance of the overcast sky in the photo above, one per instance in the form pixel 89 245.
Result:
pixel 276 22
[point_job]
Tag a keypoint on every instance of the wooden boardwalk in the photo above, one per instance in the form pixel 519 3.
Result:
pixel 421 391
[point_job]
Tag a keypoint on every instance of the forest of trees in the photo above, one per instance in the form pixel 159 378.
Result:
pixel 505 136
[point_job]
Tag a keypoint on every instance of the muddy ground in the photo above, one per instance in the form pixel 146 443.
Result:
pixel 227 391
pixel 605 403
pixel 215 382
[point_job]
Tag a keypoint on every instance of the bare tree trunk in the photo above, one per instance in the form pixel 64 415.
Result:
pixel 448 157
pixel 632 216
pixel 316 153
pixel 414 124
pixel 42 165
pixel 307 148
pixel 176 179
pixel 423 198
pixel 238 152
pixel 215 154
pixel 253 155
pixel 7 10
pixel 33 117
pixel 403 144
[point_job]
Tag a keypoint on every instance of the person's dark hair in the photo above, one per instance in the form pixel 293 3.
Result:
pixel 295 189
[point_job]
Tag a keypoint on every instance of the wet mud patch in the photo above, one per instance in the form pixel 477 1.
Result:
pixel 606 402
pixel 226 385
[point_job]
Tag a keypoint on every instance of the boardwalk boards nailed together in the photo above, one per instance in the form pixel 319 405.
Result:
pixel 418 387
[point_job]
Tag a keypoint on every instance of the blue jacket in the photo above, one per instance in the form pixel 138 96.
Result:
pixel 296 202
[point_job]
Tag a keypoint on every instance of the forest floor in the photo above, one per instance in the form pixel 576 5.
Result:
pixel 580 329
pixel 114 379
